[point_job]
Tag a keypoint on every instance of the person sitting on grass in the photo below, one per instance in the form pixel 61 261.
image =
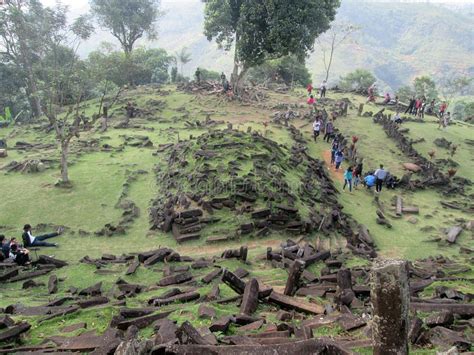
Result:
pixel 39 241
pixel 348 179
pixel 5 248
pixel 369 181
pixel 19 255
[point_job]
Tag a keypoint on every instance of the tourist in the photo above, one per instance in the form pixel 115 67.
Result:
pixel 5 247
pixel 371 92
pixel 334 149
pixel 358 172
pixel 397 119
pixel 323 89
pixel 418 104
pixel 309 88
pixel 431 107
pixel 369 181
pixel 446 119
pixel 311 102
pixel 387 99
pixel 421 110
pixel 338 158
pixel 348 178
pixel 380 174
pixel 442 108
pixel 411 105
pixel 329 130
pixel 38 241
pixel 316 128
pixel 223 80
pixel 19 255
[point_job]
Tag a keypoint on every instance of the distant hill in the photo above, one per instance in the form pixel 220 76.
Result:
pixel 397 41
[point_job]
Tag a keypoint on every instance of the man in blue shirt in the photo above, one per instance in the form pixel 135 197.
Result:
pixel 370 181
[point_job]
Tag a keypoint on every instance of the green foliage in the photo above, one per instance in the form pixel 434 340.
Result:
pixel 207 74
pixel 359 80
pixel 405 93
pixel 7 116
pixel 425 86
pixel 463 110
pixel 183 57
pixel 267 29
pixel 127 20
pixel 144 66
pixel 289 70
pixel 174 74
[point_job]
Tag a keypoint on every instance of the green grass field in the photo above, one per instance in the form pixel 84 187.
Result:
pixel 98 179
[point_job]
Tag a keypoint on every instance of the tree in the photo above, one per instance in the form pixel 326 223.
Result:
pixel 266 29
pixel 425 86
pixel 331 40
pixel 127 20
pixel 358 80
pixel 288 70
pixel 183 57
pixel 405 93
pixel 64 81
pixel 452 86
pixel 24 30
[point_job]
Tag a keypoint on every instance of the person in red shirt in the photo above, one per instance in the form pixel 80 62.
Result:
pixel 310 89
pixel 442 109
pixel 417 105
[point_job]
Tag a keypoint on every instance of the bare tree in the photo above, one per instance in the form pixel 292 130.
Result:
pixel 331 40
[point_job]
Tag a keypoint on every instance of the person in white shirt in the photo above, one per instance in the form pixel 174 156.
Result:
pixel 316 128
pixel 38 241
pixel 380 175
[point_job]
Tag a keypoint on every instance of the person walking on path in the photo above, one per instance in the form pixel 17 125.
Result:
pixel 380 175
pixel 339 157
pixel 348 178
pixel 334 149
pixel 358 173
pixel 316 128
pixel 38 241
pixel 329 130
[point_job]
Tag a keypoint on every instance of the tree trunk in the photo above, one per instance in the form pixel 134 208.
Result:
pixel 330 59
pixel 64 157
pixel 33 95
pixel 235 72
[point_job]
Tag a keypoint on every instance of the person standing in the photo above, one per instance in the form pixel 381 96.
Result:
pixel 380 175
pixel 322 88
pixel 197 74
pixel 334 149
pixel 223 79
pixel 309 88
pixel 316 128
pixel 411 105
pixel 339 157
pixel 329 130
pixel 358 172
pixel 442 108
pixel 348 179
pixel 446 119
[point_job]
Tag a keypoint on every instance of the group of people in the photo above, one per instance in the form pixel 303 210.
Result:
pixel 13 251
pixel 322 93
pixel 353 177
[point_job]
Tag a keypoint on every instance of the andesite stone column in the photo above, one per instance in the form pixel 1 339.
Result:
pixel 390 301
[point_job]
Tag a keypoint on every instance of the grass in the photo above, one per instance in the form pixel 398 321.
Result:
pixel 98 179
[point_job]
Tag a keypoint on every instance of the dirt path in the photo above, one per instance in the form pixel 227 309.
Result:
pixel 335 174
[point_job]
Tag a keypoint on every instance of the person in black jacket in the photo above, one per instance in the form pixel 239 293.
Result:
pixel 38 241
pixel 411 105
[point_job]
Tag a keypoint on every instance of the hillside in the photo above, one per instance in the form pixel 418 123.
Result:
pixel 197 189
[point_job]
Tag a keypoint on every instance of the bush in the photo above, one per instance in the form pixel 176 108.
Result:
pixel 209 75
pixel 359 80
pixel 288 70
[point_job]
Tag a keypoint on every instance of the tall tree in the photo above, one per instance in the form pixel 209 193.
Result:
pixel 183 57
pixel 26 24
pixel 331 40
pixel 266 29
pixel 127 20
pixel 64 81
pixel 425 86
